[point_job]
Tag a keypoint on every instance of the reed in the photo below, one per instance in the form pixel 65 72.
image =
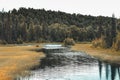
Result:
pixel 17 61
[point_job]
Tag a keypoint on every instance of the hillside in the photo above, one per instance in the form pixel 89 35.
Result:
pixel 38 25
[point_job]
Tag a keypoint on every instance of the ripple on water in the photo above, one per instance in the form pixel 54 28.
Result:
pixel 71 65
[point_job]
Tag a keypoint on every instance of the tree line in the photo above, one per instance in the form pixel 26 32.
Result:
pixel 110 37
pixel 40 25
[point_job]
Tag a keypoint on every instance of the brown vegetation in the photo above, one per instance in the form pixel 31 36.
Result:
pixel 17 61
pixel 108 55
pixel 116 44
pixel 104 42
pixel 69 41
pixel 99 42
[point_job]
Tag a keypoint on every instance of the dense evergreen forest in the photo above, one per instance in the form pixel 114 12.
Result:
pixel 39 25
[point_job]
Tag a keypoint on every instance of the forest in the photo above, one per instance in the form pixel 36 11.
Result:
pixel 40 25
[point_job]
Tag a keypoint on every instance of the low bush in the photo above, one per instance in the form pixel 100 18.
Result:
pixel 69 41
pixel 37 45
pixel 96 43
pixel 100 42
pixel 19 41
pixel 116 44
pixel 3 42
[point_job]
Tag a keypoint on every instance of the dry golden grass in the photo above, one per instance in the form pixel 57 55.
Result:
pixel 17 60
pixel 107 55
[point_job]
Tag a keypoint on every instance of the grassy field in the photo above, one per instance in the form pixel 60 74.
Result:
pixel 17 61
pixel 107 55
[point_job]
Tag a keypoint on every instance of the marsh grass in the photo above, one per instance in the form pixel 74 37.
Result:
pixel 17 61
pixel 107 55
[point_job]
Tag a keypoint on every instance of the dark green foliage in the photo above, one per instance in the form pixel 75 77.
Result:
pixel 109 37
pixel 39 25
pixel 113 28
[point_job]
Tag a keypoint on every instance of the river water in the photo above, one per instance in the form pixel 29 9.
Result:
pixel 73 65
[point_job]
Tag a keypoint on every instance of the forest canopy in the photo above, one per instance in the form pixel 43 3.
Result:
pixel 40 25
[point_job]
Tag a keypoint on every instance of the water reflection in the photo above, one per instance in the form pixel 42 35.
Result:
pixel 111 71
pixel 100 68
pixel 107 71
pixel 69 65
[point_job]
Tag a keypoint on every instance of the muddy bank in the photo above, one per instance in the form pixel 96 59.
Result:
pixel 107 55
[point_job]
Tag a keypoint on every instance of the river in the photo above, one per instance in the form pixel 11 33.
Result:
pixel 72 65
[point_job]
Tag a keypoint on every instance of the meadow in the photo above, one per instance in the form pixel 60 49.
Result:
pixel 18 60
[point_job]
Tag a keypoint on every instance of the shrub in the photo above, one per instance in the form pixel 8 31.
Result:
pixel 3 42
pixel 19 41
pixel 69 41
pixel 103 42
pixel 37 45
pixel 100 42
pixel 96 43
pixel 116 44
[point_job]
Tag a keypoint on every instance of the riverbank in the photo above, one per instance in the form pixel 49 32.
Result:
pixel 18 60
pixel 107 55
